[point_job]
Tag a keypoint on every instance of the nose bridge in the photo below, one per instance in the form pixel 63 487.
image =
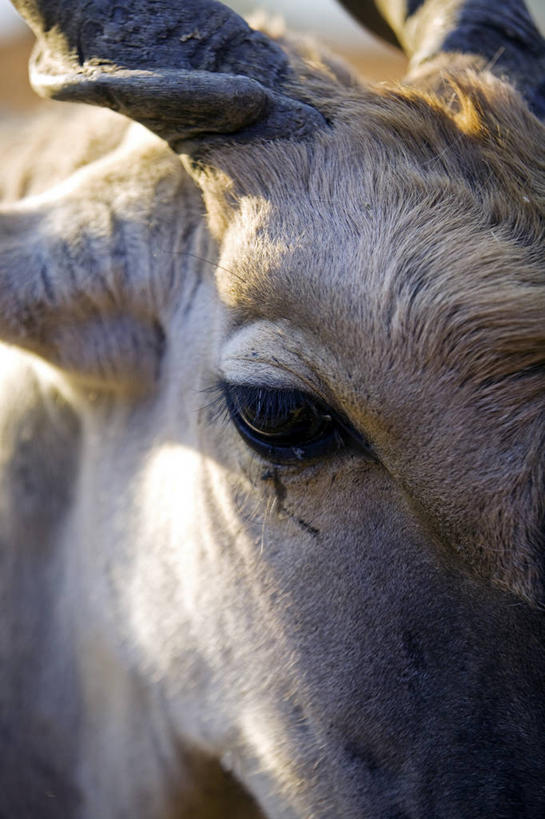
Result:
pixel 434 691
pixel 473 691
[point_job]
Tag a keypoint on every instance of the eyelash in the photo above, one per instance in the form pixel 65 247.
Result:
pixel 286 426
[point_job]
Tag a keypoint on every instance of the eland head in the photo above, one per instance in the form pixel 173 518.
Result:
pixel 272 431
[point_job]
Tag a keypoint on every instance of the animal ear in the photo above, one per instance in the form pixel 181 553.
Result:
pixel 502 33
pixel 185 70
pixel 65 289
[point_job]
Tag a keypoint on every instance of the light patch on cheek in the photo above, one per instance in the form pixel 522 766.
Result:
pixel 164 586
pixel 264 735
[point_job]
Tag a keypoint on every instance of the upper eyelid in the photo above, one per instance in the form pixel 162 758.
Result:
pixel 278 371
pixel 304 386
pixel 293 391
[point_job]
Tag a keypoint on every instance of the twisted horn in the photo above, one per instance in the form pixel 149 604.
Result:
pixel 183 69
pixel 502 33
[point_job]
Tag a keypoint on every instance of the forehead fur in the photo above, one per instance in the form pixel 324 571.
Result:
pixel 429 207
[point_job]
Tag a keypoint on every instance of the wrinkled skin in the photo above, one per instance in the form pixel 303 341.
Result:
pixel 343 637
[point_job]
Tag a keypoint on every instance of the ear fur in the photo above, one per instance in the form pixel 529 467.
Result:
pixel 77 268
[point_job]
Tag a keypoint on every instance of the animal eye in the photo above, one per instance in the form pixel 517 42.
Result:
pixel 288 426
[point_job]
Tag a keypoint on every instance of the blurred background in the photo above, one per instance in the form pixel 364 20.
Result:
pixel 323 18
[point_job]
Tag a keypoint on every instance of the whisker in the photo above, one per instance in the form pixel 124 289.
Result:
pixel 271 503
pixel 492 62
pixel 196 256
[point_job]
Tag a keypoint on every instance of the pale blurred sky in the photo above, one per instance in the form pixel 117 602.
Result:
pixel 9 21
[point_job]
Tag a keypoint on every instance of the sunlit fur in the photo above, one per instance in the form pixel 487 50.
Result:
pixel 345 638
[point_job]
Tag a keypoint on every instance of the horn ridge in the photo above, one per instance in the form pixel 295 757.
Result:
pixel 183 69
pixel 504 35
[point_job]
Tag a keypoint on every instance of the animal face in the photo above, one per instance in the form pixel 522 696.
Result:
pixel 368 564
pixel 304 539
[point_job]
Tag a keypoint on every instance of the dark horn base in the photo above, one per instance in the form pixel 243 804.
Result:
pixel 368 15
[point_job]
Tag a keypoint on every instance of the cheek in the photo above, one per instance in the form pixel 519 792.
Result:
pixel 311 527
pixel 275 551
pixel 340 498
pixel 323 573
